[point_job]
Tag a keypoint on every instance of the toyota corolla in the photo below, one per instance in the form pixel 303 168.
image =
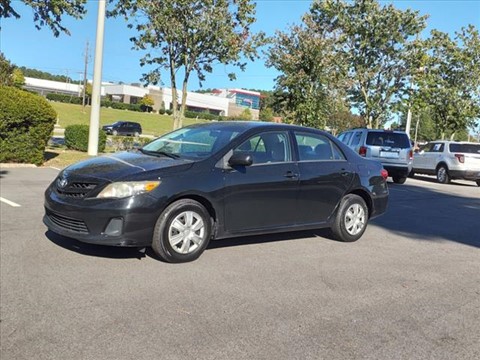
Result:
pixel 213 181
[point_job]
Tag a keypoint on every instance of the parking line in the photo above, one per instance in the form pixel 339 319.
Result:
pixel 11 203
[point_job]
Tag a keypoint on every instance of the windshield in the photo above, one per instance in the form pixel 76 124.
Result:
pixel 193 142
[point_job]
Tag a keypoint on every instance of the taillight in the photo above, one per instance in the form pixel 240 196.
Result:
pixel 362 151
pixel 410 154
pixel 384 174
pixel 460 158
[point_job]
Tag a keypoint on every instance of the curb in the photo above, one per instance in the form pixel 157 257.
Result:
pixel 13 165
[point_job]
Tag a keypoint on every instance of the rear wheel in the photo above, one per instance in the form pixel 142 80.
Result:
pixel 136 134
pixel 399 179
pixel 114 132
pixel 182 231
pixel 442 175
pixel 351 219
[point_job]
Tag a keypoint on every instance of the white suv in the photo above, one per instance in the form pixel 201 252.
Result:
pixel 392 148
pixel 449 160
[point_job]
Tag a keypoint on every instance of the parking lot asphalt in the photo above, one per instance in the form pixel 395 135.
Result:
pixel 409 289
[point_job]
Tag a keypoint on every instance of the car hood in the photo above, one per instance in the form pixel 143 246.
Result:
pixel 125 165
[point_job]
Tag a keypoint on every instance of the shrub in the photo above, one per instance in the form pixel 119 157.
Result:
pixel 76 138
pixel 70 99
pixel 161 111
pixel 169 112
pixel 26 123
pixel 201 115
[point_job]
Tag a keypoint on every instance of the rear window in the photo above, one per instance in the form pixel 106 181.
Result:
pixel 465 148
pixel 395 140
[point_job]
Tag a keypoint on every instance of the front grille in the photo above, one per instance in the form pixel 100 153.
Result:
pixel 76 189
pixel 68 223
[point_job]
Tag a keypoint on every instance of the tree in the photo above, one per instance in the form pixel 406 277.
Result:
pixel 311 83
pixel 379 47
pixel 147 102
pixel 190 35
pixel 47 13
pixel 6 71
pixel 17 78
pixel 450 86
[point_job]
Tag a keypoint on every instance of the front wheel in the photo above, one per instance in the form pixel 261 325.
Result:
pixel 442 175
pixel 399 179
pixel 182 231
pixel 114 132
pixel 351 219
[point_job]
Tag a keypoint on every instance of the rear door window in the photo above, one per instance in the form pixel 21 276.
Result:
pixel 465 148
pixel 386 139
pixel 357 135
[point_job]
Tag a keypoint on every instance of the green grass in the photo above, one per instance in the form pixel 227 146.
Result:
pixel 152 124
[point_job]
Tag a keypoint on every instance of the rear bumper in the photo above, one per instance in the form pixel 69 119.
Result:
pixel 397 171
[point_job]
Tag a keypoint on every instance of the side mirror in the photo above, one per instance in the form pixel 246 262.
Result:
pixel 240 159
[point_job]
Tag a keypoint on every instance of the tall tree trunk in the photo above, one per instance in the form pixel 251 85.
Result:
pixel 176 116
pixel 183 105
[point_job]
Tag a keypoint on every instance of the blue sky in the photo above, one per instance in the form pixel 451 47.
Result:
pixel 23 45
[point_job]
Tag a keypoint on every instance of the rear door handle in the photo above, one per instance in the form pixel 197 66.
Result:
pixel 291 175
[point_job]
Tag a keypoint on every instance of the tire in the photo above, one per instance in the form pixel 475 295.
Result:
pixel 351 209
pixel 478 182
pixel 182 231
pixel 114 132
pixel 399 180
pixel 442 175
pixel 136 134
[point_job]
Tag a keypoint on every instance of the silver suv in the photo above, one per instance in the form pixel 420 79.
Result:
pixel 449 160
pixel 392 148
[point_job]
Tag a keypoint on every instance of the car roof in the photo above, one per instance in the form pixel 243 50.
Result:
pixel 247 125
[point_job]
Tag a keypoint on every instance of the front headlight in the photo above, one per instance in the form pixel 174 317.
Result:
pixel 127 188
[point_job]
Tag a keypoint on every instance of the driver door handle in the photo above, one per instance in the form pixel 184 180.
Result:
pixel 291 175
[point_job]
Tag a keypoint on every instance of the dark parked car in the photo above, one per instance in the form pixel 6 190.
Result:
pixel 217 180
pixel 123 128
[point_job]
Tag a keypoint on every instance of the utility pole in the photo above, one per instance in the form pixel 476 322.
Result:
pixel 97 81
pixel 85 76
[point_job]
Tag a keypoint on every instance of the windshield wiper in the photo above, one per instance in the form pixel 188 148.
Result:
pixel 159 153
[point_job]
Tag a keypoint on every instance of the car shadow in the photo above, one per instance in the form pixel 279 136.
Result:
pixel 434 181
pixel 111 252
pixel 3 173
pixel 427 214
pixel 276 237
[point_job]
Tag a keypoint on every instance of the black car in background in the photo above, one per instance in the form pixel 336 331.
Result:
pixel 217 180
pixel 123 128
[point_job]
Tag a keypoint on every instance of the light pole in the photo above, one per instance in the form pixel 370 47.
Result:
pixel 97 81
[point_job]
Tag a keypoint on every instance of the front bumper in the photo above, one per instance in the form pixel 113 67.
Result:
pixel 88 220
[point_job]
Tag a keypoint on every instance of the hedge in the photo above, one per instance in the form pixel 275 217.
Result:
pixel 76 138
pixel 70 99
pixel 26 123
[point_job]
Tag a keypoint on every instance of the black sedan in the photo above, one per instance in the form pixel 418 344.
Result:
pixel 213 181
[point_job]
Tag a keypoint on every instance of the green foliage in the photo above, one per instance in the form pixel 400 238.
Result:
pixel 377 45
pixel 201 115
pixel 76 138
pixel 344 120
pixel 70 99
pixel 246 115
pixel 312 74
pixel 6 71
pixel 121 106
pixel 450 86
pixel 37 74
pixel 147 101
pixel 47 13
pixel 26 122
pixel 191 36
pixel 122 143
pixel 266 114
pixel 18 78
